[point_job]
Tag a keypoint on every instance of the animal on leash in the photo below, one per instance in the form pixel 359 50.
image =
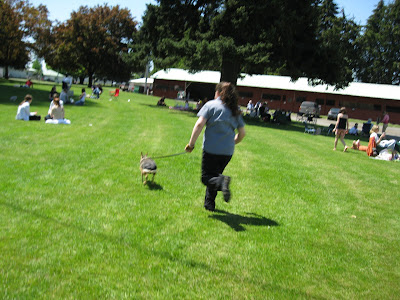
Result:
pixel 147 166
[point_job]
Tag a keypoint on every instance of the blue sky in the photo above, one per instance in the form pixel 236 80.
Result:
pixel 61 10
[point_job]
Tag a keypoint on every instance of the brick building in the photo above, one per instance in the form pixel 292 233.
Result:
pixel 362 100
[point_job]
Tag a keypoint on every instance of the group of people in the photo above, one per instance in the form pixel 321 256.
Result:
pixel 56 114
pixel 260 109
pixel 376 144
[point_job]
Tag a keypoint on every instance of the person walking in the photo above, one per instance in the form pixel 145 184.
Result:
pixel 222 119
pixel 341 127
pixel 385 121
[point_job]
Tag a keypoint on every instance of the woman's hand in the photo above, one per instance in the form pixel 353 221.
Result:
pixel 189 148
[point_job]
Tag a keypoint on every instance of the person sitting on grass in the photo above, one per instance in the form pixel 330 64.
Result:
pixel 96 91
pixel 24 113
pixel 57 113
pixel 29 83
pixel 48 116
pixel 377 144
pixel 161 102
pixel 52 93
pixel 353 130
pixel 381 144
pixel 82 98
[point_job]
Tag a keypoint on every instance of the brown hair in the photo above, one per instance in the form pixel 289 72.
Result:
pixel 343 111
pixel 28 97
pixel 229 96
pixel 56 101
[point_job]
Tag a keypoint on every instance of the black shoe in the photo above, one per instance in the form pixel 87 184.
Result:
pixel 209 208
pixel 225 188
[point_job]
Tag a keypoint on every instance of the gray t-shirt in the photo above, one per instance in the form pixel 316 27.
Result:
pixel 219 136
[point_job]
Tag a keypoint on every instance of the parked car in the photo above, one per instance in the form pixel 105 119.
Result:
pixel 124 86
pixel 309 108
pixel 332 114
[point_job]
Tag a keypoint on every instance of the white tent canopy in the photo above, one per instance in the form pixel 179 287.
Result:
pixel 142 81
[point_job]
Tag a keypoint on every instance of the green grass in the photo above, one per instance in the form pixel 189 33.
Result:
pixel 76 222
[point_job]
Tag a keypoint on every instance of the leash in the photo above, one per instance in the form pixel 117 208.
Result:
pixel 164 156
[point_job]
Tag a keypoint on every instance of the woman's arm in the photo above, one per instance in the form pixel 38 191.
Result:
pixel 198 127
pixel 380 138
pixel 240 135
pixel 337 121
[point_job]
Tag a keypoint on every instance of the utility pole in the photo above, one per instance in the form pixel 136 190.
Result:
pixel 146 74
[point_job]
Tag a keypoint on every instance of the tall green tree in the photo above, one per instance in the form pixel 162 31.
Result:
pixel 94 41
pixel 37 66
pixel 380 59
pixel 338 50
pixel 234 36
pixel 21 26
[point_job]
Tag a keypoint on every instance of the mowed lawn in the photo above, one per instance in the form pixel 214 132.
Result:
pixel 77 223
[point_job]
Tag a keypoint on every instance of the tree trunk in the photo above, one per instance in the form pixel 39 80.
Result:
pixel 230 70
pixel 81 79
pixel 90 80
pixel 6 76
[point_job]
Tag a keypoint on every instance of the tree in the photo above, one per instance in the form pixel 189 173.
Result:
pixel 234 36
pixel 37 66
pixel 380 59
pixel 338 51
pixel 93 41
pixel 21 25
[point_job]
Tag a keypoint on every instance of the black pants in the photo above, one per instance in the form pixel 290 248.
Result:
pixel 34 118
pixel 212 167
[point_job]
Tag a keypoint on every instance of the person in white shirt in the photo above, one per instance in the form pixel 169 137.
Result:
pixel 381 144
pixel 82 98
pixel 24 113
pixel 48 117
pixel 57 113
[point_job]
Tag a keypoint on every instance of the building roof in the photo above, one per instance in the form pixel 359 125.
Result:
pixel 358 89
pixel 142 81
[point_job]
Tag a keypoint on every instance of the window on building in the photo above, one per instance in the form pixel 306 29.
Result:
pixel 320 101
pixel 246 94
pixel 393 109
pixel 301 99
pixel 377 107
pixel 330 102
pixel 348 104
pixel 271 97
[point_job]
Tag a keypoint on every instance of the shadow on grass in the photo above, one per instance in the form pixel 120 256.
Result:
pixel 154 186
pixel 40 96
pixel 236 222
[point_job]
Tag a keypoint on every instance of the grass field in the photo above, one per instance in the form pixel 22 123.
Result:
pixel 304 222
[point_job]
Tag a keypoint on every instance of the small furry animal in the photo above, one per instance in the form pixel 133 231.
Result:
pixel 147 166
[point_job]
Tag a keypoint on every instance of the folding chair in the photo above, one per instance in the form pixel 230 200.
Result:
pixel 366 129
pixel 329 129
pixel 114 94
